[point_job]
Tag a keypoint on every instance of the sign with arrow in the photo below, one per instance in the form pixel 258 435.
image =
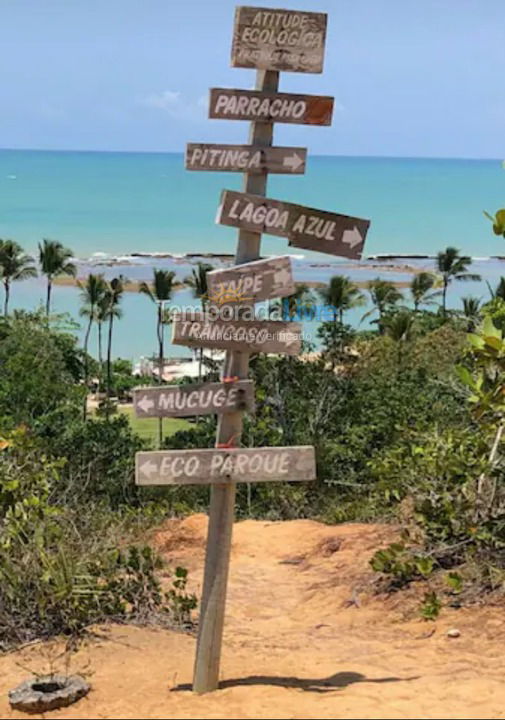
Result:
pixel 245 158
pixel 304 227
pixel 251 282
pixel 230 465
pixel 270 107
pixel 196 329
pixel 195 399
pixel 270 39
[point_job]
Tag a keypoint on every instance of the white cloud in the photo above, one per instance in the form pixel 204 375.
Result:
pixel 175 104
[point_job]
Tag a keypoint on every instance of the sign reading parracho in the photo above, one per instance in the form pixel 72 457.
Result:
pixel 194 399
pixel 231 104
pixel 304 227
pixel 251 282
pixel 203 467
pixel 270 39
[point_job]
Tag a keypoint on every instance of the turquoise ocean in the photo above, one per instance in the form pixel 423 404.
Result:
pixel 109 207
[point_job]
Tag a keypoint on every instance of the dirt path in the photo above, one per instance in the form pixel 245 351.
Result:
pixel 304 638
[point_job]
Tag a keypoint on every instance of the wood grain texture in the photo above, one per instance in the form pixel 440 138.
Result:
pixel 270 39
pixel 304 227
pixel 194 399
pixel 194 329
pixel 252 282
pixel 203 467
pixel 245 158
pixel 230 104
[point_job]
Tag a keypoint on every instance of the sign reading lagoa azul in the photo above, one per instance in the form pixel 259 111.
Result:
pixel 203 467
pixel 270 39
pixel 245 158
pixel 194 399
pixel 251 282
pixel 305 227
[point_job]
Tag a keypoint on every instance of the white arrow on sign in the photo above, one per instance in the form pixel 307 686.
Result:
pixel 282 277
pixel 148 468
pixel 145 404
pixel 352 237
pixel 293 162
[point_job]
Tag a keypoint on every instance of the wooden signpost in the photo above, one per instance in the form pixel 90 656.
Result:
pixel 252 282
pixel 270 107
pixel 269 40
pixel 204 467
pixel 304 227
pixel 245 158
pixel 195 329
pixel 195 399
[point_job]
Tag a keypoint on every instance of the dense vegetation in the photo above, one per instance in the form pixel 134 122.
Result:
pixel 407 421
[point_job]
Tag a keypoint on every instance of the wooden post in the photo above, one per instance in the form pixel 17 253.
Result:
pixel 222 498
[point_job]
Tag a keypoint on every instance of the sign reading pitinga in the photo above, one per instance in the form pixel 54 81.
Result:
pixel 245 158
pixel 203 467
pixel 251 282
pixel 305 227
pixel 194 399
pixel 196 329
pixel 271 39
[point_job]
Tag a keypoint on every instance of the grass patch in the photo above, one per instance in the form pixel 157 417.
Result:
pixel 148 428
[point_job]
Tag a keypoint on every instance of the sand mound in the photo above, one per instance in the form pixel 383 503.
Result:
pixel 306 637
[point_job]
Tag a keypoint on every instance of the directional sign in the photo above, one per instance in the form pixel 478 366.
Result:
pixel 245 158
pixel 270 107
pixel 304 227
pixel 203 467
pixel 251 282
pixel 195 399
pixel 267 336
pixel 270 39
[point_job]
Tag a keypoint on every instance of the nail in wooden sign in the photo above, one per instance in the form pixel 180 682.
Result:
pixel 251 282
pixel 194 399
pixel 270 107
pixel 246 158
pixel 195 329
pixel 270 39
pixel 304 227
pixel 203 467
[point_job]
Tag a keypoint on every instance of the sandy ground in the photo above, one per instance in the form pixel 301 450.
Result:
pixel 305 638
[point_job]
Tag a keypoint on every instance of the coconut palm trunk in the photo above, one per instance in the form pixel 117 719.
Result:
pixel 7 288
pixel 160 365
pixel 48 294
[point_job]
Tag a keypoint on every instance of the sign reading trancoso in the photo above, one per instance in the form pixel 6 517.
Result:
pixel 270 39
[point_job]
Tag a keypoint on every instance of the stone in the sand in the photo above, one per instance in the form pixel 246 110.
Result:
pixel 453 633
pixel 49 692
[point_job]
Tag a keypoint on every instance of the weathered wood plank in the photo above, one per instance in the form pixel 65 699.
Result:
pixel 203 467
pixel 228 104
pixel 251 282
pixel 194 329
pixel 252 159
pixel 304 227
pixel 194 399
pixel 269 39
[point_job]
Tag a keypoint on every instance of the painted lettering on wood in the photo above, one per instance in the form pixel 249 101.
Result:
pixel 195 329
pixel 251 282
pixel 194 399
pixel 203 467
pixel 270 39
pixel 246 158
pixel 270 107
pixel 304 227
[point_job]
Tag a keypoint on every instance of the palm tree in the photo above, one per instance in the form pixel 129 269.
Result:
pixel 400 326
pixel 342 295
pixel 499 291
pixel 420 286
pixel 54 260
pixel 453 266
pixel 159 292
pixel 92 293
pixel 14 265
pixel 112 297
pixel 299 304
pixel 471 311
pixel 198 282
pixel 385 296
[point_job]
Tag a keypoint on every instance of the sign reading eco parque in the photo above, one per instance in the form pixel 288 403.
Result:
pixel 270 39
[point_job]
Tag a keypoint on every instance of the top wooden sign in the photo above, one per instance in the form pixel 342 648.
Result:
pixel 269 39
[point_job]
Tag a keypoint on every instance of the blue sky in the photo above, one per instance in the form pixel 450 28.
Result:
pixel 410 77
